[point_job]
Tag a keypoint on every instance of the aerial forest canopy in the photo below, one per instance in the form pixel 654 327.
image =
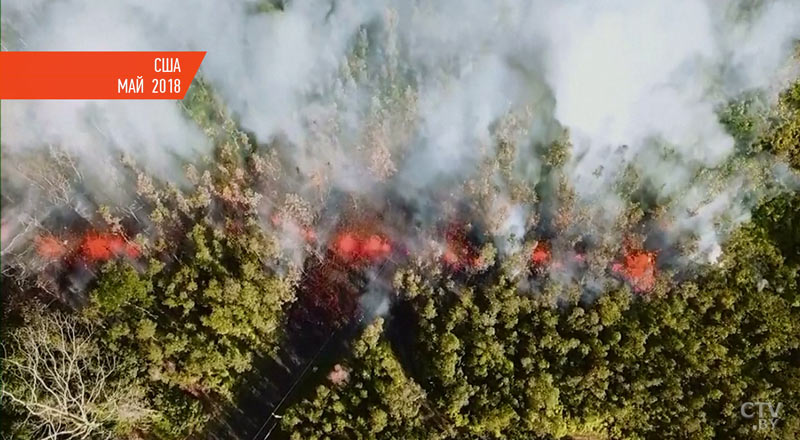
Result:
pixel 396 231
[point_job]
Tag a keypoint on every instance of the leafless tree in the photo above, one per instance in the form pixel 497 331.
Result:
pixel 67 388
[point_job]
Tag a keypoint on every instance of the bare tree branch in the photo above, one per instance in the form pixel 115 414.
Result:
pixel 68 389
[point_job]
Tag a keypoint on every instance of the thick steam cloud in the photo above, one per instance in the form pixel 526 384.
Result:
pixel 410 98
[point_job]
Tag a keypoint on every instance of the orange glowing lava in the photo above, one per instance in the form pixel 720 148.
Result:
pixel 101 247
pixel 93 247
pixel 357 247
pixel 450 257
pixel 541 254
pixel 346 245
pixel 638 267
pixel 49 247
pixel 459 252
pixel 375 246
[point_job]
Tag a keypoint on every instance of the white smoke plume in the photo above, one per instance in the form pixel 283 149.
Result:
pixel 411 95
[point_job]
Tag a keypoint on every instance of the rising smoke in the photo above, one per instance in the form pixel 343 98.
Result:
pixel 410 98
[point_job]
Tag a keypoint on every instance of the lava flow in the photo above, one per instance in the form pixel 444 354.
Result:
pixel 333 282
pixel 361 248
pixel 93 247
pixel 102 247
pixel 637 267
pixel 459 252
pixel 49 247
pixel 354 248
pixel 541 254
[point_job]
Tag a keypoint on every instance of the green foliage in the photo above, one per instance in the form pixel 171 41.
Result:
pixel 377 400
pixel 500 365
pixel 780 218
pixel 783 137
pixel 178 415
pixel 192 327
pixel 483 375
pixel 745 119
pixel 198 324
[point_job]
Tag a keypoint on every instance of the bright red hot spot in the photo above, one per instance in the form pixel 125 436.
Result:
pixel 541 254
pixel 101 247
pixel 638 267
pixel 353 246
pixel 92 247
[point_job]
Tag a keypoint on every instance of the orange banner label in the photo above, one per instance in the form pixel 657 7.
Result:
pixel 97 75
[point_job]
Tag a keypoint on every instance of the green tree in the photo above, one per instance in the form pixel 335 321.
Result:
pixel 196 324
pixel 377 401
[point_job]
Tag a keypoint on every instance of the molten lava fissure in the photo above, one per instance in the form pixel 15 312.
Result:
pixel 102 247
pixel 638 267
pixel 346 245
pixel 334 280
pixel 92 247
pixel 49 247
pixel 459 252
pixel 541 254
pixel 328 296
pixel 355 247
